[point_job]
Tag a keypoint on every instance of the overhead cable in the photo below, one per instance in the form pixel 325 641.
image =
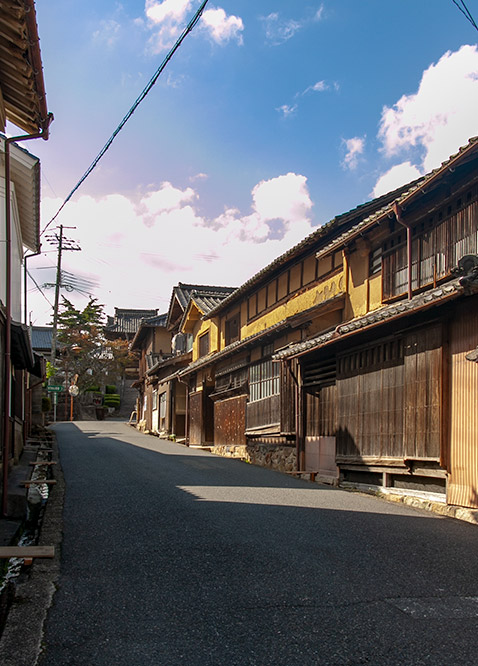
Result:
pixel 138 101
pixel 466 12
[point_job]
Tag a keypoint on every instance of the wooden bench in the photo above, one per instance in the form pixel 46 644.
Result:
pixel 28 553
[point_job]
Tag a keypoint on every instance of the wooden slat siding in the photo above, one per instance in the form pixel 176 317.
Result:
pixel 370 402
pixel 287 401
pixel 423 377
pixel 263 412
pixel 208 416
pixel 435 251
pixel 195 418
pixel 462 487
pixel 230 421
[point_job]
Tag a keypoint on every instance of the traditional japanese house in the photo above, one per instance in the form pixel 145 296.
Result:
pixel 164 396
pixel 22 103
pixel 152 342
pixel 388 396
pixel 241 402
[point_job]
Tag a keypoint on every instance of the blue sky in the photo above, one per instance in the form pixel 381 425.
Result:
pixel 271 118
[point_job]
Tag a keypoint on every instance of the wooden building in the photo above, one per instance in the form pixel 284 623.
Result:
pixel 389 392
pixel 242 403
pixel 23 103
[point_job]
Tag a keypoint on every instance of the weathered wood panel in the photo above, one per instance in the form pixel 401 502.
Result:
pixel 230 421
pixel 463 399
pixel 389 398
pixel 422 407
pixel 262 413
pixel 195 418
pixel 287 399
pixel 321 412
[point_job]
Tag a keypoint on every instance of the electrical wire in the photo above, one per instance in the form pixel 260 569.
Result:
pixel 138 101
pixel 38 287
pixel 466 12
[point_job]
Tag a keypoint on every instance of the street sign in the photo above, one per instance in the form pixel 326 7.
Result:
pixel 55 388
pixel 73 390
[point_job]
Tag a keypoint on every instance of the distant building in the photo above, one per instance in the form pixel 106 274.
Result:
pixel 126 322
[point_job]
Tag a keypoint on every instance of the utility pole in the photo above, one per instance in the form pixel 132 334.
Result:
pixel 64 244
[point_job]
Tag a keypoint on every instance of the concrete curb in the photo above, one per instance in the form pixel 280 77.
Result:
pixel 21 641
pixel 458 512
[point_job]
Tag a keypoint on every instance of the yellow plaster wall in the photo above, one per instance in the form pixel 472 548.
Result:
pixel 199 329
pixel 297 303
pixel 358 284
pixel 375 291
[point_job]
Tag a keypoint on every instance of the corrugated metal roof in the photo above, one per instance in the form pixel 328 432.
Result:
pixel 21 75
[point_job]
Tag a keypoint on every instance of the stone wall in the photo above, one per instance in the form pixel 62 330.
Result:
pixel 280 458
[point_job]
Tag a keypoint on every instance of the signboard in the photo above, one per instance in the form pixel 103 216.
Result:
pixel 55 388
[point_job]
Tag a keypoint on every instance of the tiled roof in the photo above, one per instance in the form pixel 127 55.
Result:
pixel 41 338
pixel 182 293
pixel 363 211
pixel 147 323
pixel 387 313
pixel 128 321
pixel 235 346
pixel 412 189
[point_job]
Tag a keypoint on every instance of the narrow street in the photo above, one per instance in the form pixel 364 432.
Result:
pixel 173 556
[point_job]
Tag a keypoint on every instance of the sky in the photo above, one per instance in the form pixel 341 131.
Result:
pixel 269 120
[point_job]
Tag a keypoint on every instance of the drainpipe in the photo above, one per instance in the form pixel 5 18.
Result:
pixel 8 305
pixel 398 214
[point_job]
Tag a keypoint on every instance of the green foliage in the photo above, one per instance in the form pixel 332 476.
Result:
pixel 45 404
pixel 50 370
pixel 93 389
pixel 110 389
pixel 112 400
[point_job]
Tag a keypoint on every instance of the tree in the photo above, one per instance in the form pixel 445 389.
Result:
pixel 86 353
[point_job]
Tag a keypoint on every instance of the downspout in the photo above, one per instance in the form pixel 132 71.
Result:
pixel 398 214
pixel 8 305
pixel 186 416
pixel 298 417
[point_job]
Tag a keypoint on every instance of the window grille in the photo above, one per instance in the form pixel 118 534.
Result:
pixel 264 380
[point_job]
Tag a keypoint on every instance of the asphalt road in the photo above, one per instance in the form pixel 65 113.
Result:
pixel 174 556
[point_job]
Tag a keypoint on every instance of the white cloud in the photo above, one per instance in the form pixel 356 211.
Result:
pixel 108 33
pixel 441 115
pixel 398 175
pixel 279 30
pixel 167 198
pixel 354 148
pixel 320 86
pixel 287 110
pixel 137 250
pixel 167 18
pixel 221 27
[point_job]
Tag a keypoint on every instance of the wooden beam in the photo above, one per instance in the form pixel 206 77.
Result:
pixel 6 552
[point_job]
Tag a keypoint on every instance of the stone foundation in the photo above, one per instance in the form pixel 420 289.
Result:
pixel 280 458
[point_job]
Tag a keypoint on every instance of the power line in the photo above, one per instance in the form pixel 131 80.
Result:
pixel 466 12
pixel 138 101
pixel 39 288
